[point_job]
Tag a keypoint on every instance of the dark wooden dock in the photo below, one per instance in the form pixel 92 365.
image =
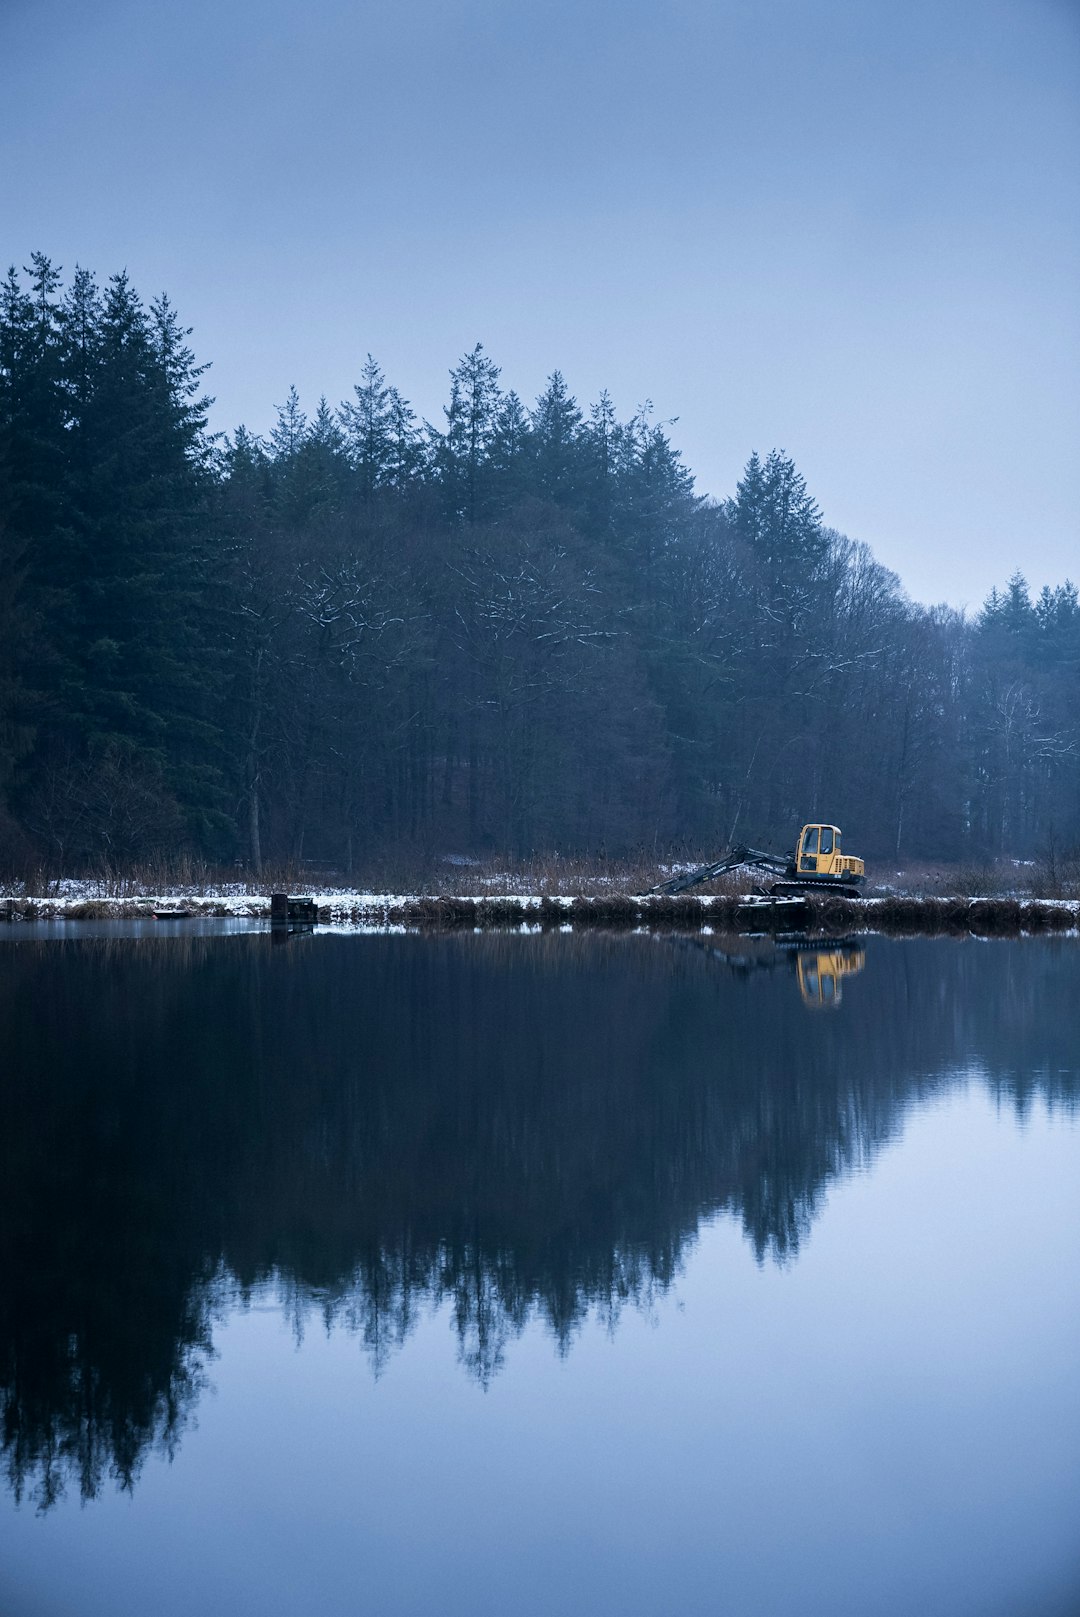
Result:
pixel 286 911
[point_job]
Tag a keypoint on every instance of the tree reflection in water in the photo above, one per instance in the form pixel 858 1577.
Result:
pixel 524 1127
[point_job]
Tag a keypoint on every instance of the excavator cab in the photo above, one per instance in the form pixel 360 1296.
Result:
pixel 817 853
pixel 820 975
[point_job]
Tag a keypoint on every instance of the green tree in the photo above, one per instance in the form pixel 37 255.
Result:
pixel 556 438
pixel 781 525
pixel 369 428
pixel 144 700
pixel 511 453
pixel 463 452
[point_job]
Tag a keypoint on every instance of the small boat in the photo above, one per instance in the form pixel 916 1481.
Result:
pixel 173 915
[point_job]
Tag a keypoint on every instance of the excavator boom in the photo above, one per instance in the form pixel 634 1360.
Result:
pixel 753 858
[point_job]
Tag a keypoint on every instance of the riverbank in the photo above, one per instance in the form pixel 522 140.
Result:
pixel 891 913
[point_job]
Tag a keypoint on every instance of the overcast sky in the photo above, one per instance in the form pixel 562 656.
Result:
pixel 847 228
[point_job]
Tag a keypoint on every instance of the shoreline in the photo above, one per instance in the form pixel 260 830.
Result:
pixel 828 914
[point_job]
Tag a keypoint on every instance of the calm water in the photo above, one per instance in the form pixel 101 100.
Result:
pixel 538 1274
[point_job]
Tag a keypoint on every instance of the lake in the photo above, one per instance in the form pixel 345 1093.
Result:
pixel 537 1273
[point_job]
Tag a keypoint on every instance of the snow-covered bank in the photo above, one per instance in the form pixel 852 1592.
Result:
pixel 440 912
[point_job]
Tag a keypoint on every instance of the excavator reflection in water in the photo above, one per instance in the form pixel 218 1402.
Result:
pixel 818 964
pixel 821 973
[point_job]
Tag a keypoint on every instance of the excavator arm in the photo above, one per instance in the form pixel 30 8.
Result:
pixel 752 858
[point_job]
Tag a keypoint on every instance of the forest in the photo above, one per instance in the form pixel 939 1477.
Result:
pixel 364 641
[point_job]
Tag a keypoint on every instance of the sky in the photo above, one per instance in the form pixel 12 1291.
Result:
pixel 849 229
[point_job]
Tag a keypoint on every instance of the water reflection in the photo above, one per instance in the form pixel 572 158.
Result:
pixel 818 965
pixel 524 1126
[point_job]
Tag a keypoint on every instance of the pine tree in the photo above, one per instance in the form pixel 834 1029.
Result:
pixel 35 519
pixel 781 526
pixel 600 452
pixel 463 451
pixel 1010 619
pixel 368 425
pixel 290 429
pixel 257 587
pixel 34 413
pixel 662 493
pixel 511 454
pixel 300 479
pixel 321 474
pixel 144 702
pixel 556 439
pixel 407 462
pixel 777 517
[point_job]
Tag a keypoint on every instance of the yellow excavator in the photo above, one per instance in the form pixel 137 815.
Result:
pixel 816 863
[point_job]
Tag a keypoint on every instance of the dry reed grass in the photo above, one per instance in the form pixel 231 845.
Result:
pixel 558 893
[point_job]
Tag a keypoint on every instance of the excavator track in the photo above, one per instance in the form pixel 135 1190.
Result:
pixel 804 889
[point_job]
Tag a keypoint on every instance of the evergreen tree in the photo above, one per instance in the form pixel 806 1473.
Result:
pixel 778 518
pixel 662 494
pixel 368 422
pixel 143 702
pixel 556 426
pixel 464 450
pixel 601 436
pixel 511 453
pixel 34 414
pixel 35 571
pixel 780 524
pixel 1010 618
pixel 407 461
pixel 290 428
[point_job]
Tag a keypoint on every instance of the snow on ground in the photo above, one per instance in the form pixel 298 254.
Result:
pixel 73 898
pixel 98 899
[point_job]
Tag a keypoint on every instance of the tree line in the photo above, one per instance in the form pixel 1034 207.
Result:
pixel 516 632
